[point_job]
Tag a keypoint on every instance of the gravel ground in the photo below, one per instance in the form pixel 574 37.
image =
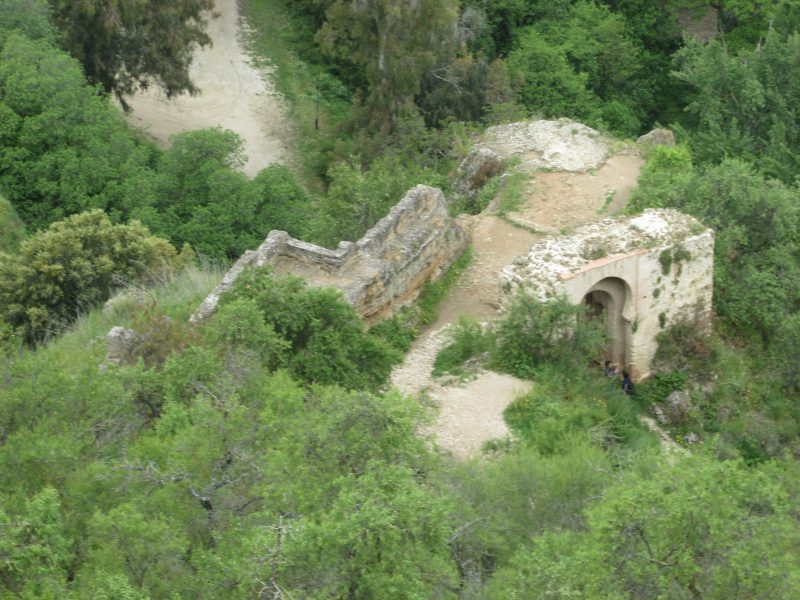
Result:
pixel 233 95
pixel 469 414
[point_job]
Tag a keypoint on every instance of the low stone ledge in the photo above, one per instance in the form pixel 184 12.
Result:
pixel 414 243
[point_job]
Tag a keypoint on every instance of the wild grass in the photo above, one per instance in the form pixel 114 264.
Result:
pixel 433 293
pixel 317 102
pixel 511 197
pixel 402 329
pixel 175 295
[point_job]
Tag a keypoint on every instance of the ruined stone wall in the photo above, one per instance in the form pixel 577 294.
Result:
pixel 384 270
pixel 649 272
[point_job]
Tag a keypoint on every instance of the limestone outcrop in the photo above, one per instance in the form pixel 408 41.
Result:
pixel 121 345
pixel 657 137
pixel 642 274
pixel 561 145
pixel 480 165
pixel 378 274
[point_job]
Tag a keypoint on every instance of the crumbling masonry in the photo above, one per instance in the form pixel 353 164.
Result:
pixel 384 270
pixel 639 274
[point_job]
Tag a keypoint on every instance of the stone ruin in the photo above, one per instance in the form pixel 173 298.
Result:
pixel 384 270
pixel 639 274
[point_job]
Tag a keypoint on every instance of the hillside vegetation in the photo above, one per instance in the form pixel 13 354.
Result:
pixel 12 230
pixel 261 455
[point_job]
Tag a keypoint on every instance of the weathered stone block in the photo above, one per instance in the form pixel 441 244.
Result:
pixel 657 137
pixel 384 270
pixel 121 345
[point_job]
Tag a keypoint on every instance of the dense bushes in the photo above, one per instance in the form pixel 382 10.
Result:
pixel 534 333
pixel 66 149
pixel 12 230
pixel 358 198
pixel 238 459
pixel 326 340
pixel 671 531
pixel 196 195
pixel 530 336
pixel 757 225
pixel 71 267
pixel 582 65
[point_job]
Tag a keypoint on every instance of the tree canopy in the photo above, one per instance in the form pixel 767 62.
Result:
pixel 128 45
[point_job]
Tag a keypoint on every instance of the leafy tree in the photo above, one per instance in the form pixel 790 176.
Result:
pixel 12 230
pixel 745 104
pixel 384 536
pixel 507 18
pixel 72 267
pixel 395 43
pixel 358 198
pixel 746 22
pixel 582 65
pixel 463 89
pixel 147 550
pixel 31 17
pixel 282 202
pixel 64 149
pixel 328 342
pixel 698 527
pixel 197 195
pixel 546 82
pixel 757 225
pixel 34 550
pixel 127 45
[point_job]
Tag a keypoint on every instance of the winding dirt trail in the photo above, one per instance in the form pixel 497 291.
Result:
pixel 233 95
pixel 471 414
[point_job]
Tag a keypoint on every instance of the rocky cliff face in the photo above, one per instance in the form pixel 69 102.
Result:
pixel 378 274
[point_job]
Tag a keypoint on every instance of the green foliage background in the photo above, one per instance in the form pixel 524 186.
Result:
pixel 262 454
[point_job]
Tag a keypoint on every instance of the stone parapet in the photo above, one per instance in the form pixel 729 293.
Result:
pixel 378 274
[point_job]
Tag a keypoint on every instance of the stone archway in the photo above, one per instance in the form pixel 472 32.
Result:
pixel 609 299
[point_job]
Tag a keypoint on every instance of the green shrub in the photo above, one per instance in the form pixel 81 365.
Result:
pixel 358 198
pixel 12 230
pixel 660 386
pixel 559 408
pixel 399 331
pixel 535 333
pixel 73 266
pixel 240 326
pixel 327 340
pixel 434 292
pixel 467 339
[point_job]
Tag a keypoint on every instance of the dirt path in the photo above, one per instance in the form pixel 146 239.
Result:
pixel 560 201
pixel 233 95
pixel 471 414
pixel 468 414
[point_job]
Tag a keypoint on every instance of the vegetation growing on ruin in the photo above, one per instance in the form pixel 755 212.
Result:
pixel 262 455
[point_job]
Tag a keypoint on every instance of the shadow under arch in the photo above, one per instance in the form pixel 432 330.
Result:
pixel 611 300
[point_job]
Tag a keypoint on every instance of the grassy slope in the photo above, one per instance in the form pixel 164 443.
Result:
pixel 177 297
pixel 314 113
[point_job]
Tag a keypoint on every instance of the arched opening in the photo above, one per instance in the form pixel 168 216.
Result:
pixel 608 300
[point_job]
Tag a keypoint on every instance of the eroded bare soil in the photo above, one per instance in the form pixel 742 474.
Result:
pixel 233 95
pixel 471 414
